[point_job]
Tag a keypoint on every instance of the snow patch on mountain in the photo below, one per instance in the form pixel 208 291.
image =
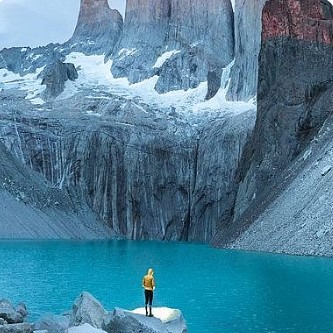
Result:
pixel 164 57
pixel 95 75
pixel 29 83
pixel 94 71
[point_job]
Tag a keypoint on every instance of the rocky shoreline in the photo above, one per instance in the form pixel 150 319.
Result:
pixel 89 316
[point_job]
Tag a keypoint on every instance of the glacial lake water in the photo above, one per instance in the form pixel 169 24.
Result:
pixel 218 291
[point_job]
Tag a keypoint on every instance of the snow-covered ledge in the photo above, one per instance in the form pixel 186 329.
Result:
pixel 162 313
pixel 165 320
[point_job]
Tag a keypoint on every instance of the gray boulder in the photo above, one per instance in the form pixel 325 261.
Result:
pixel 123 321
pixel 8 313
pixel 87 309
pixel 52 323
pixel 22 309
pixel 84 329
pixel 16 328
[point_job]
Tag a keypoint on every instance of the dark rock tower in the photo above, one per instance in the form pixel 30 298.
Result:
pixel 98 27
pixel 295 97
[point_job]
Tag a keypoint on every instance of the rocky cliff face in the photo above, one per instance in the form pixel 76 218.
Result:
pixel 141 168
pixel 143 39
pixel 218 156
pixel 98 27
pixel 32 208
pixel 193 38
pixel 145 173
pixel 244 74
pixel 294 96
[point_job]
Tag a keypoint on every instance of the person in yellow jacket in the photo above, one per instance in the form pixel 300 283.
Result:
pixel 148 283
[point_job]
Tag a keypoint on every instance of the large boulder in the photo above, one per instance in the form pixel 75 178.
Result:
pixel 52 323
pixel 22 309
pixel 16 328
pixel 8 312
pixel 123 321
pixel 87 310
pixel 85 328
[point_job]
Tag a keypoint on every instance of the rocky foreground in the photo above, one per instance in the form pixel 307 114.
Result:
pixel 89 316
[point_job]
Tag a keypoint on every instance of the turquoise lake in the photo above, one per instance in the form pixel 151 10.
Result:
pixel 218 291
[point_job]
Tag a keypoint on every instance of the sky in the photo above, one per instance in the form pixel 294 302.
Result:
pixel 39 22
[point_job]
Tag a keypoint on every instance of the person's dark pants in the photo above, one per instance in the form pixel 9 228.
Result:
pixel 148 300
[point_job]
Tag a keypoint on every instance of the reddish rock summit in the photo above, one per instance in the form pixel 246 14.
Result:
pixel 308 20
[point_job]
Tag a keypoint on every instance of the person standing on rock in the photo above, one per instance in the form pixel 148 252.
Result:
pixel 148 283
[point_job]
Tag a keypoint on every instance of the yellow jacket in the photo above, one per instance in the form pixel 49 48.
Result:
pixel 148 281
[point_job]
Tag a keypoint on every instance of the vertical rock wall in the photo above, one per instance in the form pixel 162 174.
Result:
pixel 199 33
pixel 203 34
pixel 295 95
pixel 143 38
pixel 146 178
pixel 244 74
pixel 218 156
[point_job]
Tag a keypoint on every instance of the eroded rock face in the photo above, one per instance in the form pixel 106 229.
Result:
pixel 143 38
pixel 218 156
pixel 307 20
pixel 294 95
pixel 147 173
pixel 54 77
pixel 244 74
pixel 200 33
pixel 203 32
pixel 98 28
